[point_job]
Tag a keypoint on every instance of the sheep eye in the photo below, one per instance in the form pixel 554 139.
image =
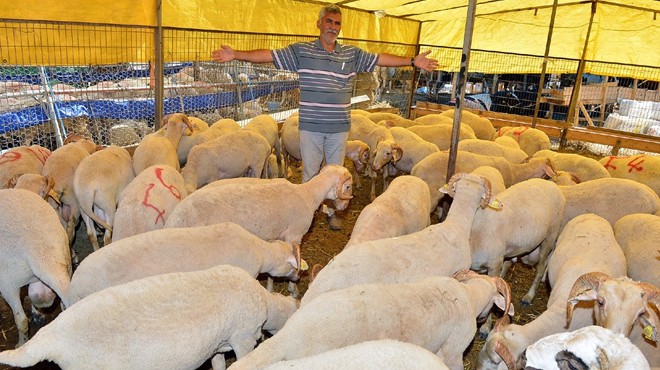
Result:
pixel 601 302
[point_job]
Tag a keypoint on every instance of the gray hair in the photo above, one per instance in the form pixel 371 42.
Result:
pixel 331 8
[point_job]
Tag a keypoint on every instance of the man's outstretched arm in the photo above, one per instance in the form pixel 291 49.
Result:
pixel 227 54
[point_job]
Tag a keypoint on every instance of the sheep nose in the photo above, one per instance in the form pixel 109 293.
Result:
pixel 294 276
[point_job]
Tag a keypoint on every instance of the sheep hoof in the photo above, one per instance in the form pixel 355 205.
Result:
pixel 334 223
pixel 37 319
pixel 526 301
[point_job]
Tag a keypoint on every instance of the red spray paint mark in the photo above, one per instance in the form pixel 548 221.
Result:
pixel 501 132
pixel 10 157
pixel 175 192
pixel 518 134
pixel 635 163
pixel 41 154
pixel 609 164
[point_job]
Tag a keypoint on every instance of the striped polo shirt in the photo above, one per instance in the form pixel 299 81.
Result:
pixel 326 81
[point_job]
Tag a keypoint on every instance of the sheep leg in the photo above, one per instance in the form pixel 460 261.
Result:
pixel 506 265
pixel 269 284
pixel 293 290
pixel 372 176
pixel 541 266
pixel 14 301
pixel 486 327
pixel 91 231
pixel 218 362
pixel 278 153
pixel 242 345
pixel 356 179
pixel 37 318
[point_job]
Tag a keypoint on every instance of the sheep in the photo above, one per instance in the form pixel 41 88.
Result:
pixel 437 313
pixel 440 135
pixel 21 160
pixel 138 324
pixel 402 209
pixel 564 178
pixel 624 306
pixel 438 250
pixel 272 168
pixel 433 169
pixel 156 149
pixel 38 184
pixel 358 152
pixel 414 148
pixel 532 218
pixel 610 198
pixel 641 168
pixel 183 249
pixel 270 209
pixel 188 140
pixel 484 147
pixel 147 201
pixel 593 346
pixel 235 154
pixel 638 236
pixel 531 140
pixel 267 126
pixel 582 167
pixel 97 182
pixel 61 166
pixel 482 126
pixel 396 119
pixel 370 355
pixel 218 128
pixel 493 175
pixel 586 244
pixel 508 142
pixel 34 250
pixel 435 119
pixel 383 148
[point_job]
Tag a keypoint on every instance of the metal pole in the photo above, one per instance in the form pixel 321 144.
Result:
pixel 50 102
pixel 545 63
pixel 159 70
pixel 414 75
pixel 575 97
pixel 460 93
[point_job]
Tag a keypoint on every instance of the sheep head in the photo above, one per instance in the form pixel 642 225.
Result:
pixel 501 300
pixel 343 187
pixel 496 348
pixel 486 200
pixel 620 302
pixel 177 120
pixel 386 152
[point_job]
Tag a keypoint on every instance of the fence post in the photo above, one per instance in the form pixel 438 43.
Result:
pixel 50 102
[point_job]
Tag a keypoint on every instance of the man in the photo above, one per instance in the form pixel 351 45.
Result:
pixel 326 70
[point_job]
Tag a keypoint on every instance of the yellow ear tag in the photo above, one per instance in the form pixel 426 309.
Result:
pixel 648 332
pixel 496 204
pixel 303 265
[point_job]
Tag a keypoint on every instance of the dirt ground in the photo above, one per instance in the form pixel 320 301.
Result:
pixel 319 245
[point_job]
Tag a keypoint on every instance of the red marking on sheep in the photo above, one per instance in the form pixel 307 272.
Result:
pixel 173 189
pixel 635 163
pixel 44 154
pixel 609 164
pixel 146 203
pixel 10 157
pixel 519 133
pixel 501 132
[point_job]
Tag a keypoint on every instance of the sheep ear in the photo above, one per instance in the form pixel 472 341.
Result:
pixel 648 322
pixel 501 303
pixel 397 153
pixel 12 181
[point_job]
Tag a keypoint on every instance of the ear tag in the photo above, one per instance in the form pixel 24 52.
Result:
pixel 303 265
pixel 496 204
pixel 648 332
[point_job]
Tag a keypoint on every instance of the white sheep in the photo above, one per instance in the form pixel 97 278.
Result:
pixel 272 168
pixel 565 178
pixel 396 119
pixel 359 153
pixel 21 160
pixel 638 236
pixel 440 135
pixel 624 306
pixel 508 142
pixel 38 184
pixel 414 148
pixel 593 346
pixel 235 154
pixel 141 324
pixel 382 146
pixel 97 182
pixel 492 148
pixel 402 209
pixel 370 355
pixel 641 168
pixel 531 219
pixel 189 139
pixel 147 201
pixel 482 126
pixel 584 168
pixel 441 119
pixel 157 149
pixel 493 175
pixel 610 198
pixel 61 166
pixel 183 249
pixel 267 126
pixel 218 128
pixel 586 244
pixel 531 140
pixel 433 169
pixel 436 313
pixel 34 249
pixel 269 208
pixel 438 250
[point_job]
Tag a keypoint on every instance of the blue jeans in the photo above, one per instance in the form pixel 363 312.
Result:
pixel 315 145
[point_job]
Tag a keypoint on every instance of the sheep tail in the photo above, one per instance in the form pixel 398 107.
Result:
pixel 26 355
pixel 88 209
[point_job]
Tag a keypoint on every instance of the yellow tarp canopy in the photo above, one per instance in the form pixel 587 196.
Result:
pixel 623 32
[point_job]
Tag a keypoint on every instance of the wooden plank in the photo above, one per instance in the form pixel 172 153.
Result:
pixel 615 138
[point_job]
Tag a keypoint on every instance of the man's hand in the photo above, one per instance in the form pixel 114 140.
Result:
pixel 224 54
pixel 425 63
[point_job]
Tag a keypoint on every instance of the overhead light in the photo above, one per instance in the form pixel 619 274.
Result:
pixel 380 14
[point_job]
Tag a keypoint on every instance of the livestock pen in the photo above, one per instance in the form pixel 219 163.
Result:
pixel 586 73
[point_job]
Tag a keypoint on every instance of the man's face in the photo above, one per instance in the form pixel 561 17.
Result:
pixel 329 25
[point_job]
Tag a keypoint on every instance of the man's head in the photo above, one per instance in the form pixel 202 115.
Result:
pixel 329 23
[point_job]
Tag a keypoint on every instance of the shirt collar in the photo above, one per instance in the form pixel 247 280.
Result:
pixel 337 46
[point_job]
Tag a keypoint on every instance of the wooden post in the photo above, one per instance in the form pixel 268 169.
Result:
pixel 572 110
pixel 460 94
pixel 603 102
pixel 159 70
pixel 548 42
